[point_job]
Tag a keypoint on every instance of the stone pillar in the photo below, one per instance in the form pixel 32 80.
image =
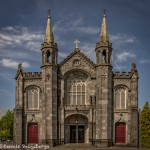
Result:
pixel 50 82
pixel 62 123
pixel 18 126
pixel 134 111
pixel 104 107
pixel 18 113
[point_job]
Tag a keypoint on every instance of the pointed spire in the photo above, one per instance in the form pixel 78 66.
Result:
pixel 49 38
pixel 104 31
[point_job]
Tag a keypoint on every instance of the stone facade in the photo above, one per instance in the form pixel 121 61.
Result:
pixel 76 100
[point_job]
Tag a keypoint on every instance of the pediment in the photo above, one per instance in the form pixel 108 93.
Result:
pixel 77 58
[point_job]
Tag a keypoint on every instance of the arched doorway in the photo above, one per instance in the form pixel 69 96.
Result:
pixel 33 133
pixel 120 132
pixel 76 129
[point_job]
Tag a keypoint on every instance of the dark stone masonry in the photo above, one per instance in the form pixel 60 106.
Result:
pixel 77 101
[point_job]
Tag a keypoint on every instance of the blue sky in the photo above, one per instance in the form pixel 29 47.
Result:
pixel 22 28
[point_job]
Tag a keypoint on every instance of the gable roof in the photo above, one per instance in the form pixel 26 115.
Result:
pixel 77 51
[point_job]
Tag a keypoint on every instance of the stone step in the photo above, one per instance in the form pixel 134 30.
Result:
pixel 83 146
pixel 74 146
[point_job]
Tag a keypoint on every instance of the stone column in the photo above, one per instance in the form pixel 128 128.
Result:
pixel 62 125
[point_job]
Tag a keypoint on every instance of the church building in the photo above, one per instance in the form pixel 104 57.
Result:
pixel 76 100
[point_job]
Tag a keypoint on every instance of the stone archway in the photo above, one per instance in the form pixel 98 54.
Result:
pixel 76 129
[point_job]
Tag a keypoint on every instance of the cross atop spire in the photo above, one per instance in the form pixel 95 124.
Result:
pixel 104 12
pixel 104 31
pixel 49 38
pixel 49 11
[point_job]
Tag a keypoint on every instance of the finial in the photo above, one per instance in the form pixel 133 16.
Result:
pixel 49 11
pixel 133 69
pixel 104 12
pixel 20 66
pixel 77 43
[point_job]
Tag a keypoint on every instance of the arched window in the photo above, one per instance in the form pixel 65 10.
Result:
pixel 120 98
pixel 104 57
pixel 33 133
pixel 33 98
pixel 48 58
pixel 76 91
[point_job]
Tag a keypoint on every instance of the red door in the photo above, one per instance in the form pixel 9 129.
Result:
pixel 120 133
pixel 33 133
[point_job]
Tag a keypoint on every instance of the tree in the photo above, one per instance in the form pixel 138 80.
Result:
pixel 145 126
pixel 6 125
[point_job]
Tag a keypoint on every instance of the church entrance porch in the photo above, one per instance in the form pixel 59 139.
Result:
pixel 76 129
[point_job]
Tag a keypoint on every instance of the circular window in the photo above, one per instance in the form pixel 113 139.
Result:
pixel 76 62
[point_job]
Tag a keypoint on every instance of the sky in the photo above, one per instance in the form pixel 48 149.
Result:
pixel 22 29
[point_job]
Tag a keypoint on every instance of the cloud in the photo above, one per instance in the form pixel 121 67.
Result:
pixel 89 50
pixel 19 36
pixel 74 25
pixel 119 66
pixel 14 29
pixel 62 54
pixel 122 57
pixel 10 63
pixel 88 30
pixel 78 21
pixel 122 38
pixel 145 61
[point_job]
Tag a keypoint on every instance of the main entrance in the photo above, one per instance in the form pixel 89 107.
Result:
pixel 76 129
pixel 77 134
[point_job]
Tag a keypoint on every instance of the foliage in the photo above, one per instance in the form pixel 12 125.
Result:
pixel 6 125
pixel 145 126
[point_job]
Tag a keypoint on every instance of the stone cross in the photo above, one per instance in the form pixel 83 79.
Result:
pixel 77 43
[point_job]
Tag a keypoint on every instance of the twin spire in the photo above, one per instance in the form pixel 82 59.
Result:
pixel 104 31
pixel 49 38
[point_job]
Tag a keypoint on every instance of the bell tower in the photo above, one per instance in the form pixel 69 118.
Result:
pixel 103 88
pixel 49 47
pixel 49 80
pixel 104 47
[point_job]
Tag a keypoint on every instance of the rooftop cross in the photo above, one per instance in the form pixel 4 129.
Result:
pixel 77 43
